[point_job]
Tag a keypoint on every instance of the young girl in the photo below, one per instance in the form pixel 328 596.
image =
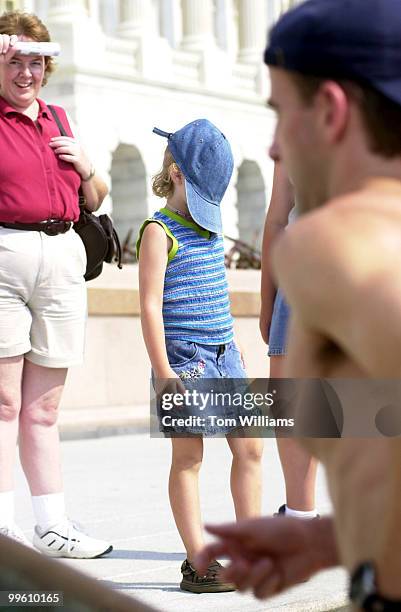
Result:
pixel 187 325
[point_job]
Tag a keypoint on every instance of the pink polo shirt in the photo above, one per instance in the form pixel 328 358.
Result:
pixel 34 184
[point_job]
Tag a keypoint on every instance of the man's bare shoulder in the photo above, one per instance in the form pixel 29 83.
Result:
pixel 360 231
pixel 339 267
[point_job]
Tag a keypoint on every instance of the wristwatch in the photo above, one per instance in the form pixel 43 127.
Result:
pixel 363 591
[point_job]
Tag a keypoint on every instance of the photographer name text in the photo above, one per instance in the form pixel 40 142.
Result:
pixel 216 421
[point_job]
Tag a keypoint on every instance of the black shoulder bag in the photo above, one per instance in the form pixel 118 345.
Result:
pixel 100 238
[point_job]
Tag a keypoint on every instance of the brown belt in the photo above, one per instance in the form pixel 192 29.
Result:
pixel 51 227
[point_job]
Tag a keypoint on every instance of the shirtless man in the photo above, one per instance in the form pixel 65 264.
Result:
pixel 335 70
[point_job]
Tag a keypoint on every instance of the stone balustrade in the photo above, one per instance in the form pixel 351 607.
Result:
pixel 177 38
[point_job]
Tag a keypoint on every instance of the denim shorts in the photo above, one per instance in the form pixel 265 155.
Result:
pixel 196 364
pixel 279 326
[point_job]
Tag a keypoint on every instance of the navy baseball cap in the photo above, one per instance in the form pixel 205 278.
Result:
pixel 358 40
pixel 204 156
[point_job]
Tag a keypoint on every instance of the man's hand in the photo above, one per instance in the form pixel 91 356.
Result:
pixel 269 555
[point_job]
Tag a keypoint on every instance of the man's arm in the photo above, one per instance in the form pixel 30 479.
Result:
pixel 281 202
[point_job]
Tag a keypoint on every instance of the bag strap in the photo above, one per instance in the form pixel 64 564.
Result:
pixel 81 197
pixel 57 120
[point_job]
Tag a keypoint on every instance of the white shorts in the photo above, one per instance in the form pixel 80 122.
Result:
pixel 43 304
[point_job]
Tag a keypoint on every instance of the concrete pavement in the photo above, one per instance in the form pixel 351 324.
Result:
pixel 115 351
pixel 117 488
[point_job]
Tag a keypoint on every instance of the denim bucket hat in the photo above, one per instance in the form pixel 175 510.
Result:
pixel 359 40
pixel 204 156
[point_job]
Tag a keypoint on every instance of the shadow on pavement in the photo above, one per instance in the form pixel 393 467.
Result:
pixel 143 586
pixel 144 555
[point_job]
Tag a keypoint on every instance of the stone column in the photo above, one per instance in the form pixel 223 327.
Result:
pixel 287 4
pixel 277 8
pixel 198 28
pixel 28 6
pixel 273 11
pixel 138 17
pixel 94 12
pixel 133 15
pixel 226 30
pixel 66 9
pixel 170 21
pixel 252 30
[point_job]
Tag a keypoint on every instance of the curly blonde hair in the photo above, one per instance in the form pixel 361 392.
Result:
pixel 162 185
pixel 26 24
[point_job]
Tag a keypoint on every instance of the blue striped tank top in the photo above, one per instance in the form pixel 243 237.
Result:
pixel 196 305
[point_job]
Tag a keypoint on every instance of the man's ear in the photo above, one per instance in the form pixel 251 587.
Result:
pixel 334 107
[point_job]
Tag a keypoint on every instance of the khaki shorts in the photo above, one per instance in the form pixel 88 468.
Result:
pixel 43 305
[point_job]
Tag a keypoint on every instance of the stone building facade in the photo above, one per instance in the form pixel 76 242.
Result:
pixel 129 65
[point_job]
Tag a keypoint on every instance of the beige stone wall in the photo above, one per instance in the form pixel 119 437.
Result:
pixel 116 369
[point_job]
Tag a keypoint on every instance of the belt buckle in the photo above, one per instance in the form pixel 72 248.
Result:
pixel 52 227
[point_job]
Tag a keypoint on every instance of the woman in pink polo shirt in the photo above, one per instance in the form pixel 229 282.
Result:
pixel 42 289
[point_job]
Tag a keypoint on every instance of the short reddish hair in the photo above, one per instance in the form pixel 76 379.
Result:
pixel 25 24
